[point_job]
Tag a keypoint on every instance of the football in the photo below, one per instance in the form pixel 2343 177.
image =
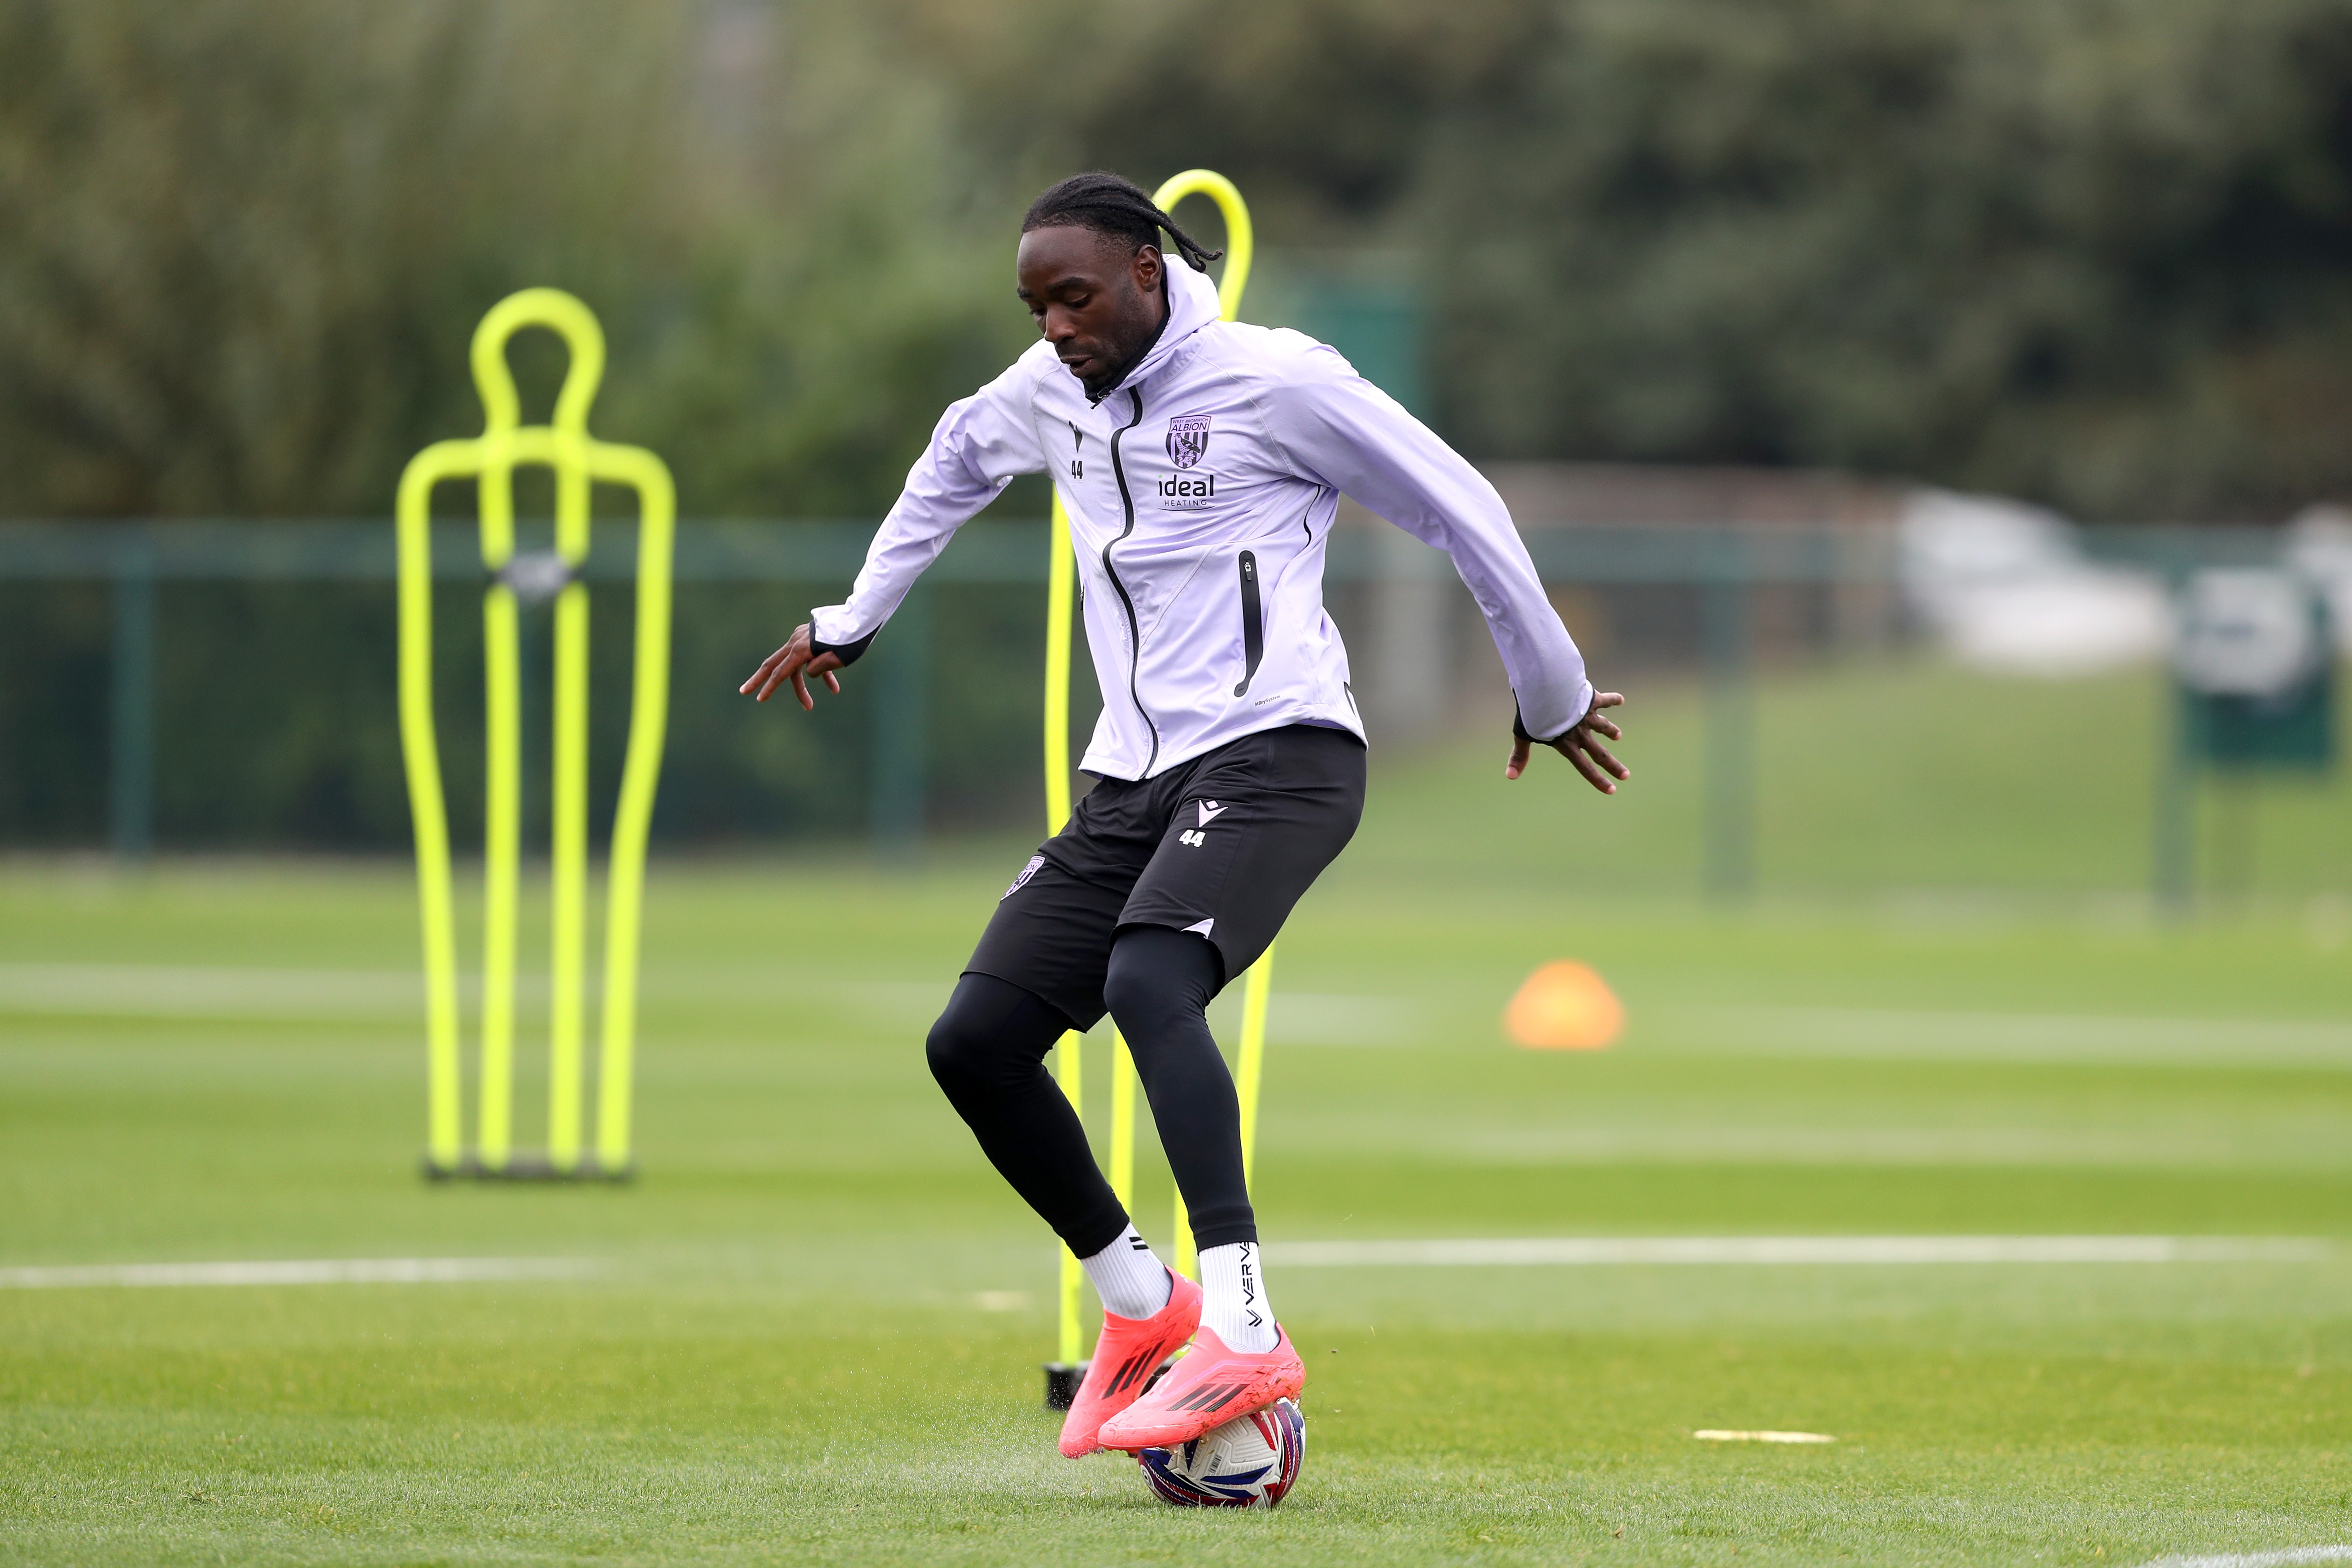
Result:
pixel 1248 1462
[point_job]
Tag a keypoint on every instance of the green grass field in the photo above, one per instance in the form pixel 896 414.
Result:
pixel 811 1332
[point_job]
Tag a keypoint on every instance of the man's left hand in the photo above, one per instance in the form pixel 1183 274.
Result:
pixel 1582 746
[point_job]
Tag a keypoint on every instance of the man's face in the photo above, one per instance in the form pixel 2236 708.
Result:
pixel 1097 302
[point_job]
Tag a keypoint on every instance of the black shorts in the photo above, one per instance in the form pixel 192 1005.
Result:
pixel 1223 845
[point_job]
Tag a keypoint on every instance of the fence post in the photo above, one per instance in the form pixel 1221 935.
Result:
pixel 901 728
pixel 130 828
pixel 2175 859
pixel 1411 664
pixel 1729 743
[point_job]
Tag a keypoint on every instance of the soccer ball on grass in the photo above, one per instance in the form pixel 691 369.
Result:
pixel 1248 1462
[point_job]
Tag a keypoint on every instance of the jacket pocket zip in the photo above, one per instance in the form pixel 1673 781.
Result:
pixel 1253 625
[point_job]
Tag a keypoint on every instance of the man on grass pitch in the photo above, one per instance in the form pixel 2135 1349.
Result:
pixel 1202 463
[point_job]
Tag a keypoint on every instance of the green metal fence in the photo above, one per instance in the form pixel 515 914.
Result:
pixel 923 726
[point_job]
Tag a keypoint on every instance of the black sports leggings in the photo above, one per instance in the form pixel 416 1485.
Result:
pixel 988 1051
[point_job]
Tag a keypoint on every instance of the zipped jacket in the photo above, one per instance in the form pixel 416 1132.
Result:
pixel 1201 491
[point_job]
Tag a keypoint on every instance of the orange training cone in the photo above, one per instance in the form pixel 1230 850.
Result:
pixel 1564 1006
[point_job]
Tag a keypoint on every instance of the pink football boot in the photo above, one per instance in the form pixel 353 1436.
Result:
pixel 1209 1388
pixel 1130 1350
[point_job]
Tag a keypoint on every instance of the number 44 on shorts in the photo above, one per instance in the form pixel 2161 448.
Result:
pixel 1210 811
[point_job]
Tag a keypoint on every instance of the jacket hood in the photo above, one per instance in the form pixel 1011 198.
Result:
pixel 1191 305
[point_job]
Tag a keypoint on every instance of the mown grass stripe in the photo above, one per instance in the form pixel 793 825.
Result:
pixel 1601 1250
pixel 2282 1559
pixel 297 1272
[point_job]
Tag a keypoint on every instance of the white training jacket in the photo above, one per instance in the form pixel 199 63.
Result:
pixel 1201 494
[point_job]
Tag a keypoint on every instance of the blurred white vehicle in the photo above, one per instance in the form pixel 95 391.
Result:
pixel 2007 589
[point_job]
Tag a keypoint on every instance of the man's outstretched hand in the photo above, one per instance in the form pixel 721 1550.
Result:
pixel 791 662
pixel 1582 745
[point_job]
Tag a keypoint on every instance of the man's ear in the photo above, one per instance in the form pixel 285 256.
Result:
pixel 1147 269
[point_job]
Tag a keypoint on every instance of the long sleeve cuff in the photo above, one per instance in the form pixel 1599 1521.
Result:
pixel 847 653
pixel 1519 724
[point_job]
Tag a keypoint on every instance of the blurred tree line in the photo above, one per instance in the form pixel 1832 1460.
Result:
pixel 248 241
pixel 2095 253
pixel 2089 252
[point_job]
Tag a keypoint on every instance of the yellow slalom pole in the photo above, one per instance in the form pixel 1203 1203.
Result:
pixel 1187 1257
pixel 1254 994
pixel 421 755
pixel 501 844
pixel 568 956
pixel 1122 1121
pixel 1241 241
pixel 1240 246
pixel 1069 1067
pixel 1060 588
pixel 640 775
pixel 567 966
pixel 1071 1070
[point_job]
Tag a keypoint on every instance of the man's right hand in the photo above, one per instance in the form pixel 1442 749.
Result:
pixel 791 662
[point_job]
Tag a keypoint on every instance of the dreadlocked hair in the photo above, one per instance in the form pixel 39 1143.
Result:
pixel 1110 205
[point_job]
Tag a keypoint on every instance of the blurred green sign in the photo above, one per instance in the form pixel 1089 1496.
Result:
pixel 2256 671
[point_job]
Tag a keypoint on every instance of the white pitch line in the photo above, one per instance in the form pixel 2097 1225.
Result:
pixel 2292 1554
pixel 1778 1250
pixel 187 991
pixel 1717 1434
pixel 1889 1034
pixel 299 1271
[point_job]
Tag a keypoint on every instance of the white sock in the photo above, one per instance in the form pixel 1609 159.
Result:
pixel 1129 1279
pixel 1234 1299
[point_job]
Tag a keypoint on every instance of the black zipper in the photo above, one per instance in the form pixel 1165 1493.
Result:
pixel 1253 625
pixel 1134 630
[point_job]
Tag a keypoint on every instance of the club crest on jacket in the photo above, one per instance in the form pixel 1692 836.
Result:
pixel 1188 439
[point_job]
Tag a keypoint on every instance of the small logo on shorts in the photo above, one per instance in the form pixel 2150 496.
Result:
pixel 1023 879
pixel 1209 811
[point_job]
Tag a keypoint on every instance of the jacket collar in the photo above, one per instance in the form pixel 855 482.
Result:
pixel 1191 305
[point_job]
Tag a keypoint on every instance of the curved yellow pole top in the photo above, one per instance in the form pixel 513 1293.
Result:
pixel 562 314
pixel 1238 238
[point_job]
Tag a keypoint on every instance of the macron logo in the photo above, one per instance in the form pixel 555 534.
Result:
pixel 1209 811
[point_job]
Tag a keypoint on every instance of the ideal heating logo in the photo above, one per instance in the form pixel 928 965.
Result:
pixel 1187 489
